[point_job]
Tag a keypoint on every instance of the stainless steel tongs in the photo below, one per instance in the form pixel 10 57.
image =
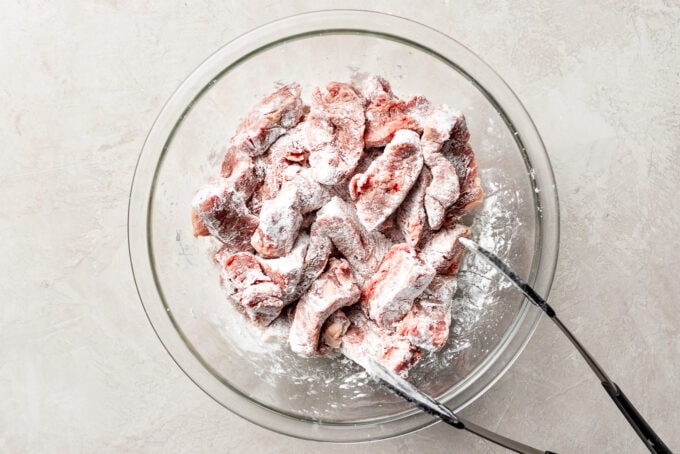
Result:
pixel 430 405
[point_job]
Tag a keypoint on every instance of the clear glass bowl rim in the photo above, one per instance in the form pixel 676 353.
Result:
pixel 375 24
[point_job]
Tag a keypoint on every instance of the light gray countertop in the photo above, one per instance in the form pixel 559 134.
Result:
pixel 81 83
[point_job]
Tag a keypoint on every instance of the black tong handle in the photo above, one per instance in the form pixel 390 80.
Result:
pixel 651 440
pixel 643 429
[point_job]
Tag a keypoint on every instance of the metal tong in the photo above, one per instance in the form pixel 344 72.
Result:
pixel 430 405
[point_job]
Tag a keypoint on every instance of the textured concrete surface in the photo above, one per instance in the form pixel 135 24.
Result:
pixel 81 82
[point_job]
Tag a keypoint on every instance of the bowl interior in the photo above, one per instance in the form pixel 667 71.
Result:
pixel 333 391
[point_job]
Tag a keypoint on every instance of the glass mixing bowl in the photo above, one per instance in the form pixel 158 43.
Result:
pixel 331 399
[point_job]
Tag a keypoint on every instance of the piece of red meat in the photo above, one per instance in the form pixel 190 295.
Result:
pixel 411 216
pixel 334 289
pixel 240 271
pixel 243 171
pixel 364 339
pixel 428 323
pixel 386 114
pixel 379 191
pixel 286 271
pixel 470 198
pixel 471 193
pixel 277 161
pixel 313 195
pixel 342 190
pixel 251 291
pixel 443 125
pixel 199 228
pixel 269 119
pixel 315 261
pixel 338 221
pixel 280 220
pixel 443 251
pixel 241 174
pixel 223 211
pixel 443 190
pixel 261 303
pixel 459 152
pixel 292 146
pixel 334 328
pixel 335 129
pixel 388 295
pixel 376 89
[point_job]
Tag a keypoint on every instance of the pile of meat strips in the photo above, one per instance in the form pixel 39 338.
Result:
pixel 339 221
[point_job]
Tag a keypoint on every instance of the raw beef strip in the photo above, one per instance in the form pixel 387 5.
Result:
pixel 313 195
pixel 364 339
pixel 338 221
pixel 379 191
pixel 335 130
pixel 389 293
pixel 224 213
pixel 286 271
pixel 252 292
pixel 470 198
pixel 442 191
pixel 411 217
pixel 280 221
pixel 471 193
pixel 342 190
pixel 376 89
pixel 443 251
pixel 240 271
pixel 243 171
pixel 444 124
pixel 335 327
pixel 292 146
pixel 459 135
pixel 317 255
pixel 428 323
pixel 268 120
pixel 262 303
pixel 334 289
pixel 277 161
pixel 199 228
pixel 459 152
pixel 386 114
